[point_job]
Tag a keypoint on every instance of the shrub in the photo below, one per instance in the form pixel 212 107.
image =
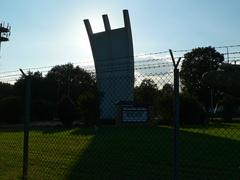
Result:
pixel 230 106
pixel 12 110
pixel 191 111
pixel 66 111
pixel 88 106
pixel 42 110
pixel 164 108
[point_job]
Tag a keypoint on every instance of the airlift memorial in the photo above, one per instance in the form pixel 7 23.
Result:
pixel 114 63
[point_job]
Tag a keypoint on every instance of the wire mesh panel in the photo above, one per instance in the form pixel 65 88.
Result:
pixel 210 151
pixel 209 119
pixel 69 139
pixel 11 151
pixel 111 149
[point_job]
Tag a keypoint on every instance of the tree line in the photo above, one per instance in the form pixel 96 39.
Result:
pixel 70 93
pixel 60 93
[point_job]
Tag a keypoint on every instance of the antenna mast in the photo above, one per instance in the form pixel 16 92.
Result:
pixel 5 32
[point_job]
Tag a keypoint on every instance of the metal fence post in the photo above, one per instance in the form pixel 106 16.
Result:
pixel 176 124
pixel 176 118
pixel 26 125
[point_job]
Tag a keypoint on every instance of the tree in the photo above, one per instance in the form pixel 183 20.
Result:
pixel 227 80
pixel 37 85
pixel 88 108
pixel 195 64
pixel 67 80
pixel 66 111
pixel 5 89
pixel 11 109
pixel 167 90
pixel 48 91
pixel 146 92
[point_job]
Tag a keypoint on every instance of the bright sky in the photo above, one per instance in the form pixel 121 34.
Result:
pixel 50 32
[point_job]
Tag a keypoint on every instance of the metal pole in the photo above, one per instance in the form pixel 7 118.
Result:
pixel 176 125
pixel 26 126
pixel 176 118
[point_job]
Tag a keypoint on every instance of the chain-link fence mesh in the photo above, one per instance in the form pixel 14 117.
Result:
pixel 11 151
pixel 127 147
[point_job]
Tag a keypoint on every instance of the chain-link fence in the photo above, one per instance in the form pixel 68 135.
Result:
pixel 142 141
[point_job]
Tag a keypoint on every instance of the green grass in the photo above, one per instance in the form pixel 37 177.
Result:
pixel 211 152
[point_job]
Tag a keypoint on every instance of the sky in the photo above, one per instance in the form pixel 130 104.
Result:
pixel 51 32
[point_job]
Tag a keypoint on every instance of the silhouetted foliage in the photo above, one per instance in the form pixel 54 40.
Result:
pixel 230 106
pixel 88 107
pixel 43 110
pixel 226 79
pixel 191 111
pixel 195 64
pixel 47 91
pixel 6 89
pixel 11 110
pixel 167 90
pixel 37 85
pixel 67 80
pixel 66 111
pixel 146 92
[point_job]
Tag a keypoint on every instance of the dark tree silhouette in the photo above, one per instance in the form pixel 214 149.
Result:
pixel 146 92
pixel 167 90
pixel 195 64
pixel 67 80
pixel 37 85
pixel 48 91
pixel 227 80
pixel 6 89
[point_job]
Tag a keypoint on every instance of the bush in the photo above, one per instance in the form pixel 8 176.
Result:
pixel 191 111
pixel 12 110
pixel 164 108
pixel 66 111
pixel 230 106
pixel 88 106
pixel 42 110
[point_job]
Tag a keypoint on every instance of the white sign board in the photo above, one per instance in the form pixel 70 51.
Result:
pixel 134 114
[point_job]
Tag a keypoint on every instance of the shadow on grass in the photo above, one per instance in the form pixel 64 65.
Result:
pixel 146 153
pixel 126 153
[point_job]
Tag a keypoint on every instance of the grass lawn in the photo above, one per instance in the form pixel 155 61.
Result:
pixel 211 152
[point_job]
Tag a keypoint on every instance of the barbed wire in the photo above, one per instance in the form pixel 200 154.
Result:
pixel 142 66
pixel 139 63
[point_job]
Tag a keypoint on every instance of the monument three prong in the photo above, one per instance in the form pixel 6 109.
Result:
pixel 113 56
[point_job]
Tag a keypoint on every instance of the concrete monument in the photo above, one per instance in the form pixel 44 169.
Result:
pixel 114 63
